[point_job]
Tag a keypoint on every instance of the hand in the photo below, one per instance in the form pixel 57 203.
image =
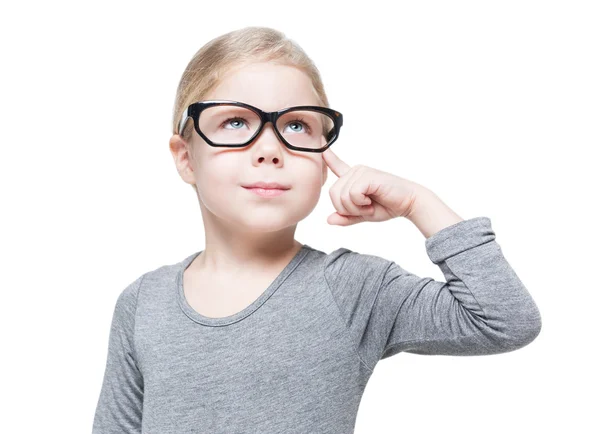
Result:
pixel 365 194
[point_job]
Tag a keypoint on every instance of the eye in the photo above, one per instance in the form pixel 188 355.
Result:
pixel 237 122
pixel 297 122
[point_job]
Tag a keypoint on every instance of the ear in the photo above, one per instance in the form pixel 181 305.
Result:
pixel 182 158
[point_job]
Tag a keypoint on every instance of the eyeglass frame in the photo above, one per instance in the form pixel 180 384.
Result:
pixel 194 110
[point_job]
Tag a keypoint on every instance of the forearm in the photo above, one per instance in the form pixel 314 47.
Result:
pixel 429 214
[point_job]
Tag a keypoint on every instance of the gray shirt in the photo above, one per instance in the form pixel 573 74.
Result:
pixel 298 358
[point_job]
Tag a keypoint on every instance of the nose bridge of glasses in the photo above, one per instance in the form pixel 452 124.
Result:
pixel 268 117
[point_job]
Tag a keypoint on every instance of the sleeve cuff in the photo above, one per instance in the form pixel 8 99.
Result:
pixel 459 237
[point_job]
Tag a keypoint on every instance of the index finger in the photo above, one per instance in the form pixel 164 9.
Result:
pixel 336 165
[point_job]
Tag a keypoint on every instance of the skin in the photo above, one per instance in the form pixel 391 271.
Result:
pixel 247 236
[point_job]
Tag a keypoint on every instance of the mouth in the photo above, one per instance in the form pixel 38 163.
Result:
pixel 267 186
pixel 267 192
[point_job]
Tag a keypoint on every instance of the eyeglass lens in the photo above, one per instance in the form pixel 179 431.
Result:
pixel 235 125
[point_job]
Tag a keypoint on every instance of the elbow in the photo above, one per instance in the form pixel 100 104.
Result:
pixel 524 332
pixel 523 325
pixel 514 332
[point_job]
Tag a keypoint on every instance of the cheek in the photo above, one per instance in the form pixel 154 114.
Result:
pixel 218 168
pixel 310 174
pixel 218 180
pixel 308 180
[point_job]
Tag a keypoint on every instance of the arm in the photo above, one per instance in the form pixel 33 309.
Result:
pixel 482 307
pixel 119 408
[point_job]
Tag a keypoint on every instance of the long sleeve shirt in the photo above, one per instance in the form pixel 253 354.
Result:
pixel 297 359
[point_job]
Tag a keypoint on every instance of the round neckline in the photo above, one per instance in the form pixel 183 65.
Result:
pixel 248 310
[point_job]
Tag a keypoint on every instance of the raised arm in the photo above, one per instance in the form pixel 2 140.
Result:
pixel 482 308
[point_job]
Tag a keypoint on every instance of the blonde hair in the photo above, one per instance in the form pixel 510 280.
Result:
pixel 234 49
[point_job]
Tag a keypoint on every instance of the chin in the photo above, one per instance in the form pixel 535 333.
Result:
pixel 255 222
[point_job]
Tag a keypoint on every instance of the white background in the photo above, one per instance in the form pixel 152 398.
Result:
pixel 492 105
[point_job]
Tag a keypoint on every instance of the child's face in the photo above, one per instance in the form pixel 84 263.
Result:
pixel 220 173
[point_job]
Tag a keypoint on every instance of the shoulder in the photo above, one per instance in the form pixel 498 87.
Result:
pixel 127 299
pixel 344 265
pixel 152 283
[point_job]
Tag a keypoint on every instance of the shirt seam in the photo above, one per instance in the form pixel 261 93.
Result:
pixel 137 295
pixel 346 328
pixel 387 347
pixel 379 288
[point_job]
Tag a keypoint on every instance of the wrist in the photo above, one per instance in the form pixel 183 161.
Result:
pixel 430 214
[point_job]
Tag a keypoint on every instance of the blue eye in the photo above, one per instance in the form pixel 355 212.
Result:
pixel 237 119
pixel 299 121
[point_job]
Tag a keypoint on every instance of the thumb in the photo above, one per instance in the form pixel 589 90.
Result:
pixel 341 220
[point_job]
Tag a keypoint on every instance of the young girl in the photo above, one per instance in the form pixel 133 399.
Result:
pixel 259 333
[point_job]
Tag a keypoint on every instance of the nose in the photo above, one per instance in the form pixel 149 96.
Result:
pixel 267 146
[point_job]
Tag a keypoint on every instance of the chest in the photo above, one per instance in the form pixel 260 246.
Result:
pixel 291 357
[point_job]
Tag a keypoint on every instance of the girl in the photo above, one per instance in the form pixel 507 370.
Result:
pixel 259 333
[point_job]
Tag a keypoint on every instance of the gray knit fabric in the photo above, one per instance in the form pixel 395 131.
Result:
pixel 298 358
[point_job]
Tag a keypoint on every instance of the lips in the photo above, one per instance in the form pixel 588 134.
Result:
pixel 268 185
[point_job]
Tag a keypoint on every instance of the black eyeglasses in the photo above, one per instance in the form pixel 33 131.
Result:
pixel 235 124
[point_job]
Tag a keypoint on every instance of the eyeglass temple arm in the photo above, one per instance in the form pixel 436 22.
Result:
pixel 184 117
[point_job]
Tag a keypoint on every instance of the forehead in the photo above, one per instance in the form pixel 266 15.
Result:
pixel 268 86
